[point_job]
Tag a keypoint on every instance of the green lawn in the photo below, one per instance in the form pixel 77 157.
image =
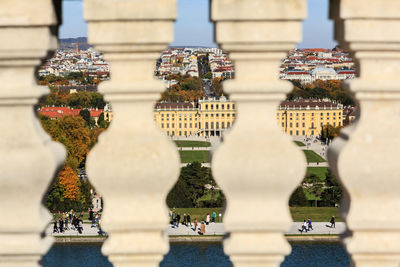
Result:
pixel 184 143
pixel 311 156
pixel 299 143
pixel 321 214
pixel 318 171
pixel 189 156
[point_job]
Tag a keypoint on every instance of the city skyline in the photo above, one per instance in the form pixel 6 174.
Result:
pixel 195 28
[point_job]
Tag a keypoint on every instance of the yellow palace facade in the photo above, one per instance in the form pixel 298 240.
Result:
pixel 213 116
pixel 208 117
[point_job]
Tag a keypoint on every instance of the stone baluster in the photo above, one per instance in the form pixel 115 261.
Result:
pixel 134 164
pixel 28 157
pixel 257 166
pixel 367 164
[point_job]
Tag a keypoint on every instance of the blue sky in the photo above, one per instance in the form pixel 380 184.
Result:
pixel 193 27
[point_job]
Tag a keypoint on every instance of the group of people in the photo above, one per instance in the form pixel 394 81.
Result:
pixel 61 224
pixel 307 226
pixel 176 220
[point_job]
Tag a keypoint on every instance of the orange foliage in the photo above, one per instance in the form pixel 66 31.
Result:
pixel 70 182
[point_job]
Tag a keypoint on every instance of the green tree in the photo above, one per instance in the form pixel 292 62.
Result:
pixel 208 75
pixel 298 198
pixel 190 186
pixel 332 192
pixel 314 185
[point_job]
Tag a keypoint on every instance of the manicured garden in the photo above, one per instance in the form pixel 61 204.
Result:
pixel 299 143
pixel 189 156
pixel 188 143
pixel 320 172
pixel 311 156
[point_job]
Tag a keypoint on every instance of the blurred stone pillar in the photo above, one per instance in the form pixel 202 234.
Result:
pixel 368 163
pixel 134 164
pixel 27 165
pixel 257 166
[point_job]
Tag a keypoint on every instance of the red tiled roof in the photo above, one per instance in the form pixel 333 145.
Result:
pixel 58 112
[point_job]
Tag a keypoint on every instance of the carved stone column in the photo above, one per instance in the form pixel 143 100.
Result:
pixel 134 164
pixel 368 163
pixel 257 166
pixel 27 165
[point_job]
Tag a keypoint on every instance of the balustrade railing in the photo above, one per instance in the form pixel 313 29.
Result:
pixel 28 157
pixel 134 164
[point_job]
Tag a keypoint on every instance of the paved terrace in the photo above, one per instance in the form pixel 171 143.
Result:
pixel 320 228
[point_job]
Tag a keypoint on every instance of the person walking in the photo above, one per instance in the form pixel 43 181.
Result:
pixel 178 219
pixel 55 228
pixel 309 224
pixel 202 228
pixel 213 216
pixel 184 219
pixel 195 224
pixel 80 226
pixel 93 221
pixel 173 219
pixel 332 221
pixel 304 227
pixel 66 223
pixel 61 225
pixel 208 219
pixel 188 220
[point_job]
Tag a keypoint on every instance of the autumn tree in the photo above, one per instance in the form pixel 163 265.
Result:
pixel 72 133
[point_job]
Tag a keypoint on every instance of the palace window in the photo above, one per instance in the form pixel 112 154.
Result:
pixel 167 125
pixel 233 106
pixel 283 124
pixel 217 125
pixel 206 125
pixel 206 106
pixel 222 106
pixel 180 126
pixel 304 125
pixel 297 132
pixel 180 132
pixel 191 125
pixel 228 115
pixel 222 125
pixel 216 106
pixel 291 132
pixel 173 126
pixel 304 133
pixel 291 124
pixel 222 115
pixel 228 124
pixel 212 106
pixel 297 124
pixel 233 115
pixel 162 125
pixel 185 125
pixel 206 115
pixel 217 115
pixel 212 115
pixel 227 106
